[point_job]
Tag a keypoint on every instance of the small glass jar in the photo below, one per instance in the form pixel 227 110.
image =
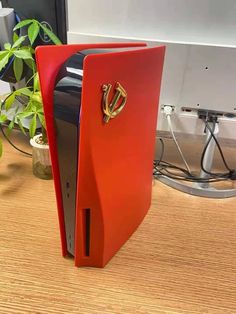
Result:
pixel 42 167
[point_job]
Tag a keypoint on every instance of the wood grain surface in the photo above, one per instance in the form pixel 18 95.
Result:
pixel 182 258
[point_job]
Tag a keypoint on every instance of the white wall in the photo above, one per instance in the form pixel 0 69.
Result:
pixel 199 21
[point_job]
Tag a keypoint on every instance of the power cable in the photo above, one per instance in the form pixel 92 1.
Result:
pixel 168 112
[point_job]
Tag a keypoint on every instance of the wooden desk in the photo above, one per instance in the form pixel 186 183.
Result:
pixel 182 259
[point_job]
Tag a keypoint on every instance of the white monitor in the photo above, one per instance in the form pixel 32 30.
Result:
pixel 200 58
pixel 195 76
pixel 199 77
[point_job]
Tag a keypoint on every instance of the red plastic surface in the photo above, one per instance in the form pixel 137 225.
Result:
pixel 115 159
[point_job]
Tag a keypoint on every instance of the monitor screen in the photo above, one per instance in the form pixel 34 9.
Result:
pixel 51 12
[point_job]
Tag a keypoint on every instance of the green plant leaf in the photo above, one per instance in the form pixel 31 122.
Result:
pixel 10 126
pixel 36 82
pixel 42 120
pixel 28 107
pixel 15 37
pixel 33 31
pixel 25 114
pixel 18 68
pixel 3 118
pixel 3 54
pixel 32 126
pixel 21 126
pixel 39 106
pixel 7 46
pixel 31 49
pixel 1 148
pixel 40 111
pixel 19 41
pixel 30 63
pixel 23 54
pixel 22 24
pixel 36 97
pixel 24 91
pixel 9 101
pixel 4 61
pixel 51 35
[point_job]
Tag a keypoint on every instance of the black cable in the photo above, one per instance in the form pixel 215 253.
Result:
pixel 162 167
pixel 162 150
pixel 199 180
pixel 220 150
pixel 165 163
pixel 168 164
pixel 167 173
pixel 205 149
pixel 163 170
pixel 10 142
pixel 212 137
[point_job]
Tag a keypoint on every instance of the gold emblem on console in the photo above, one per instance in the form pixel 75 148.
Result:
pixel 113 108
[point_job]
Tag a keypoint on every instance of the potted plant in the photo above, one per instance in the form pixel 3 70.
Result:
pixel 21 55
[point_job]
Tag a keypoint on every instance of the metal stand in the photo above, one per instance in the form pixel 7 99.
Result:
pixel 202 189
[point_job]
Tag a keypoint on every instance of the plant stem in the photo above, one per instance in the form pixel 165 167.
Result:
pixel 44 135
